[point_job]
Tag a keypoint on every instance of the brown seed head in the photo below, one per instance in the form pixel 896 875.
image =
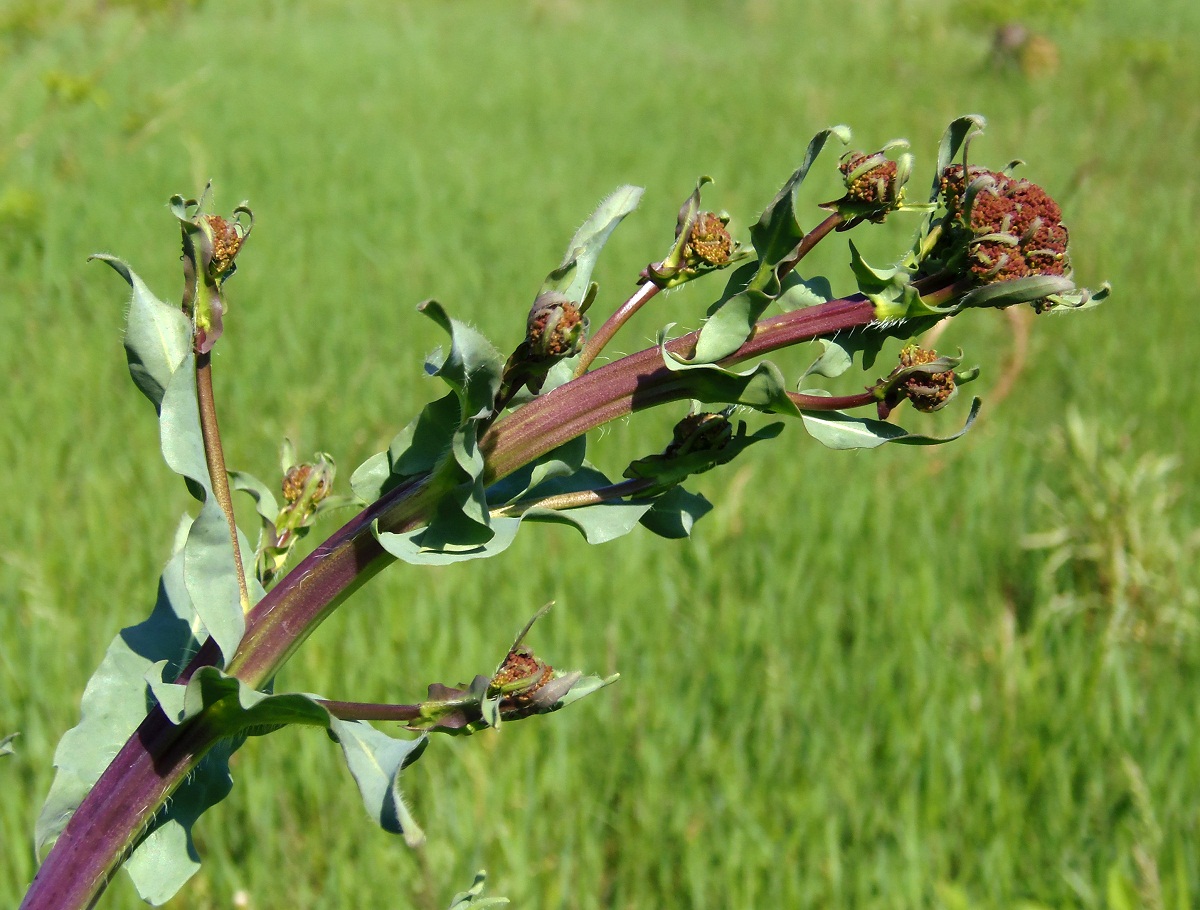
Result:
pixel 1014 227
pixel 555 327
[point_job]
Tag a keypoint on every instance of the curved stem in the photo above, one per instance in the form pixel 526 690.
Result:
pixel 612 325
pixel 157 758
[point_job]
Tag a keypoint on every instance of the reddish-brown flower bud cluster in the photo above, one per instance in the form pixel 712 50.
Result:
pixel 523 671
pixel 227 240
pixel 1015 228
pixel 874 186
pixel 555 328
pixel 701 432
pixel 926 391
pixel 296 480
pixel 709 241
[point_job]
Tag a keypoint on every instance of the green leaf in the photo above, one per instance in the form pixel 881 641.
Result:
pixel 468 900
pixel 1017 290
pixel 417 449
pixel 263 496
pixel 675 513
pixel 839 430
pixel 157 336
pixel 116 697
pixel 472 368
pixel 958 134
pixel 728 327
pixel 762 387
pixel 574 275
pixel 599 523
pixel 799 293
pixel 375 760
pixel 167 857
pixel 210 571
pixel 778 231
pixel 423 549
pixel 563 461
pixel 667 470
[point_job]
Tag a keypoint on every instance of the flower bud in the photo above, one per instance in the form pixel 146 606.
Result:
pixel 556 327
pixel 708 243
pixel 998 228
pixel 922 377
pixel 226 238
pixel 701 432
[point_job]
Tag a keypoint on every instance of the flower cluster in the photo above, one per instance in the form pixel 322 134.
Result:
pixel 709 242
pixel 1009 228
pixel 227 237
pixel 870 179
pixel 556 327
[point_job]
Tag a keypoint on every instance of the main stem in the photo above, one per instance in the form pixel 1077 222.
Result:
pixel 158 756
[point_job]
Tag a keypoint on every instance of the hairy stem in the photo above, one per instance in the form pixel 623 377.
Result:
pixel 603 335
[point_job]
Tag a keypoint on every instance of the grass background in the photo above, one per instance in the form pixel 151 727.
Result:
pixel 854 688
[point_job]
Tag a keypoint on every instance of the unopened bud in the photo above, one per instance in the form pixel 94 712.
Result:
pixel 556 328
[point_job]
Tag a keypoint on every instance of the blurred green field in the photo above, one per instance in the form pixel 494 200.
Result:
pixel 855 687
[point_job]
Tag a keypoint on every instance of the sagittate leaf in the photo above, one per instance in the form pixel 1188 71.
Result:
pixel 839 430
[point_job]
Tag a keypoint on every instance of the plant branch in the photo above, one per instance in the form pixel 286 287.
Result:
pixel 576 500
pixel 591 350
pixel 158 756
pixel 214 455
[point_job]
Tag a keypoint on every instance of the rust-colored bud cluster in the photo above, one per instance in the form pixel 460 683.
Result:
pixel 227 239
pixel 1014 228
pixel 876 185
pixel 296 483
pixel 556 327
pixel 519 679
pixel 927 391
pixel 701 432
pixel 709 242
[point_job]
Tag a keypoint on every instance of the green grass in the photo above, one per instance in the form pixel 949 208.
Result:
pixel 848 690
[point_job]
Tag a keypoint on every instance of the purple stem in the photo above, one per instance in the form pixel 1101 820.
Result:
pixel 157 758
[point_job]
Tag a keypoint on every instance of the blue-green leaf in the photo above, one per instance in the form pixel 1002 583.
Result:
pixel 778 231
pixel 375 760
pixel 157 336
pixel 116 697
pixel 472 367
pixel 958 133
pixel 839 430
pixel 675 513
pixel 264 497
pixel 574 275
